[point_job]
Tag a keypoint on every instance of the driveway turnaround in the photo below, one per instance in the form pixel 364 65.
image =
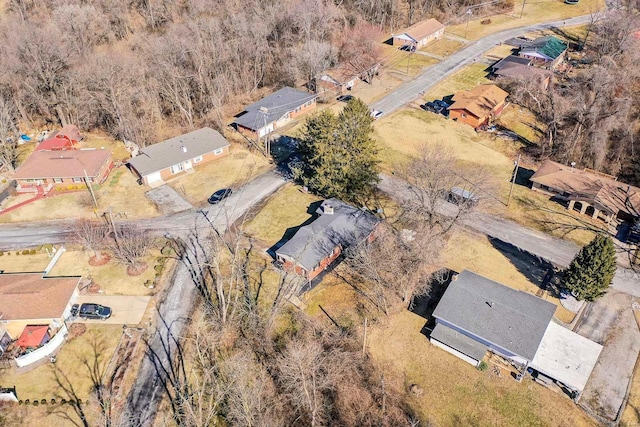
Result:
pixel 126 310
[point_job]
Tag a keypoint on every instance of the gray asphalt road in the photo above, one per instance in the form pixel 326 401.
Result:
pixel 433 74
pixel 176 306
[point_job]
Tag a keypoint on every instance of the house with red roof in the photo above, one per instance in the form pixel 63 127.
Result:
pixel 46 169
pixel 33 336
pixel 66 138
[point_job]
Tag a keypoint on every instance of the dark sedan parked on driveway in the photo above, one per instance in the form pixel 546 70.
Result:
pixel 220 195
pixel 94 311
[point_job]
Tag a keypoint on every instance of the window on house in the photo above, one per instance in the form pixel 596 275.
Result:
pixel 57 180
pixel 463 115
pixel 197 159
pixel 176 168
pixel 218 151
pixel 77 179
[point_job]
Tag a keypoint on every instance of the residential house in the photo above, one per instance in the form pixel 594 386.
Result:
pixel 419 34
pixel 597 194
pixel 31 299
pixel 46 169
pixel 547 51
pixel 519 68
pixel 66 138
pixel 159 162
pixel 478 106
pixel 476 315
pixel 317 245
pixel 274 111
pixel 337 81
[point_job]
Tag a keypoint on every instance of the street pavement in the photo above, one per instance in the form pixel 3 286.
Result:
pixel 435 73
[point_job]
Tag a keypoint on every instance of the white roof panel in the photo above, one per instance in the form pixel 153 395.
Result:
pixel 566 356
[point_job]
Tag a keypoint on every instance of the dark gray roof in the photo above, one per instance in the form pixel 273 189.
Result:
pixel 458 341
pixel 511 59
pixel 170 152
pixel 314 242
pixel 511 319
pixel 277 104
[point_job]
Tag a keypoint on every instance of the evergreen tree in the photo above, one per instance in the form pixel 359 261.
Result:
pixel 591 271
pixel 339 157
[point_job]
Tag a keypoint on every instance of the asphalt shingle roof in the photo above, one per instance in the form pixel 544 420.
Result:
pixel 458 341
pixel 277 104
pixel 314 242
pixel 511 319
pixel 63 164
pixel 170 152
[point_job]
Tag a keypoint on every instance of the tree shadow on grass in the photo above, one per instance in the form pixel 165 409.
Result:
pixel 424 305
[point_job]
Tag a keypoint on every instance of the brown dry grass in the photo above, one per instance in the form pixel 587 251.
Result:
pixel 111 277
pixel 464 79
pixel 234 170
pixel 10 262
pixel 457 394
pixel 535 11
pixel 284 209
pixel 443 47
pixel 521 121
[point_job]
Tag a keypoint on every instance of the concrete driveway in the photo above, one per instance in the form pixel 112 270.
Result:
pixel 168 200
pixel 610 322
pixel 126 310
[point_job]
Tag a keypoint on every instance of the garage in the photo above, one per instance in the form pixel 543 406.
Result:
pixel 153 178
pixel 566 357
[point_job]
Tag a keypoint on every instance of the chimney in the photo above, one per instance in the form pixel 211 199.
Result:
pixel 184 149
pixel 328 209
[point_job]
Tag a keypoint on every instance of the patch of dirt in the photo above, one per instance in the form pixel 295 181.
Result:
pixel 76 330
pixel 136 270
pixel 93 288
pixel 97 262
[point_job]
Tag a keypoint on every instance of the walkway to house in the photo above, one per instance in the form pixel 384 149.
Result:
pixel 39 195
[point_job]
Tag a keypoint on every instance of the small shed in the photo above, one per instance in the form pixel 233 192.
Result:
pixel 33 336
pixel 459 196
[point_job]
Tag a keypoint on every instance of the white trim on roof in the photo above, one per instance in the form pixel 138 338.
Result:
pixel 405 37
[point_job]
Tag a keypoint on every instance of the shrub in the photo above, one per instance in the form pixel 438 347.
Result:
pixel 20 402
pixel 32 252
pixel 1 253
pixel 27 401
pixel 35 403
pixel 158 268
pixel 17 253
pixel 485 21
pixel 483 366
pixel 47 246
pixel 63 401
pixel 43 402
pixel 25 252
pixel 53 401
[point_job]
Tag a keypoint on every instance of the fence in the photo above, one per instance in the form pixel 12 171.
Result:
pixel 44 351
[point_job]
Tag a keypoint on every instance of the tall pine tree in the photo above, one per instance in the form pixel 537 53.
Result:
pixel 339 157
pixel 591 271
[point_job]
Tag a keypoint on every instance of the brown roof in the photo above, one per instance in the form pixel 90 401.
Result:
pixel 423 29
pixel 479 101
pixel 520 71
pixel 601 190
pixel 31 296
pixel 63 164
pixel 340 74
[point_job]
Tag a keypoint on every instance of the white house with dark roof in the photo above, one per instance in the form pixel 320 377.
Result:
pixel 167 159
pixel 476 315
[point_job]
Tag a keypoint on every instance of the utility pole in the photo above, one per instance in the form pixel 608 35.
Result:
pixel 469 12
pixel 93 196
pixel 513 180
pixel 522 10
pixel 265 111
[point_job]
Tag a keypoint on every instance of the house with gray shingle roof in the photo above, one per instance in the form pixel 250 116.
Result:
pixel 315 246
pixel 547 51
pixel 167 159
pixel 273 111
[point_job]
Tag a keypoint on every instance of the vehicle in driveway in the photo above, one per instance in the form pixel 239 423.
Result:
pixel 220 195
pixel 408 48
pixel 94 311
pixel 345 98
pixel 376 114
pixel 74 309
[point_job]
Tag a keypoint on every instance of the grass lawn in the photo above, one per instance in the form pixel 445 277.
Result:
pixel 415 62
pixel 455 393
pixel 499 52
pixel 467 78
pixel 117 192
pixel 234 170
pixel 112 277
pixel 12 263
pixel 443 47
pixel 535 11
pixel 97 140
pixel 285 209
pixel 521 121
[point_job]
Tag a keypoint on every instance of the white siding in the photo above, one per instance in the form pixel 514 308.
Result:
pixel 455 352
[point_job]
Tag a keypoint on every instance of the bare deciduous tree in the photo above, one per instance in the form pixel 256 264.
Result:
pixel 130 245
pixel 91 235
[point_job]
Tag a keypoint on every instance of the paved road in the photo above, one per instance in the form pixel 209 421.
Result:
pixel 433 74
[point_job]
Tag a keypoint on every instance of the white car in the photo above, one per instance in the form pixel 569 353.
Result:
pixel 376 114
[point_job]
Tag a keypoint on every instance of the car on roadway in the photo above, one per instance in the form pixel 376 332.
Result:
pixel 220 195
pixel 94 311
pixel 376 114
pixel 345 98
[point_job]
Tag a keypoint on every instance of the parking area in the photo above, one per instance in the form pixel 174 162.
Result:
pixel 610 322
pixel 126 310
pixel 168 200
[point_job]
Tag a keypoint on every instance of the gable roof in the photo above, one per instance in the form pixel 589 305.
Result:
pixel 276 105
pixel 602 190
pixel 519 71
pixel 312 243
pixel 61 142
pixel 170 152
pixel 26 296
pixel 422 30
pixel 511 59
pixel 511 319
pixel 63 164
pixel 339 75
pixel 548 46
pixel 32 336
pixel 479 101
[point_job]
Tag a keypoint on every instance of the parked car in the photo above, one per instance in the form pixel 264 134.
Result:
pixel 74 309
pixel 94 311
pixel 408 47
pixel 429 106
pixel 220 195
pixel 345 98
pixel 376 114
pixel 441 103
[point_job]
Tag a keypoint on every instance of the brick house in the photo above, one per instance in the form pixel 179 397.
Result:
pixel 315 246
pixel 46 169
pixel 273 111
pixel 167 159
pixel 419 34
pixel 337 80
pixel 478 106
